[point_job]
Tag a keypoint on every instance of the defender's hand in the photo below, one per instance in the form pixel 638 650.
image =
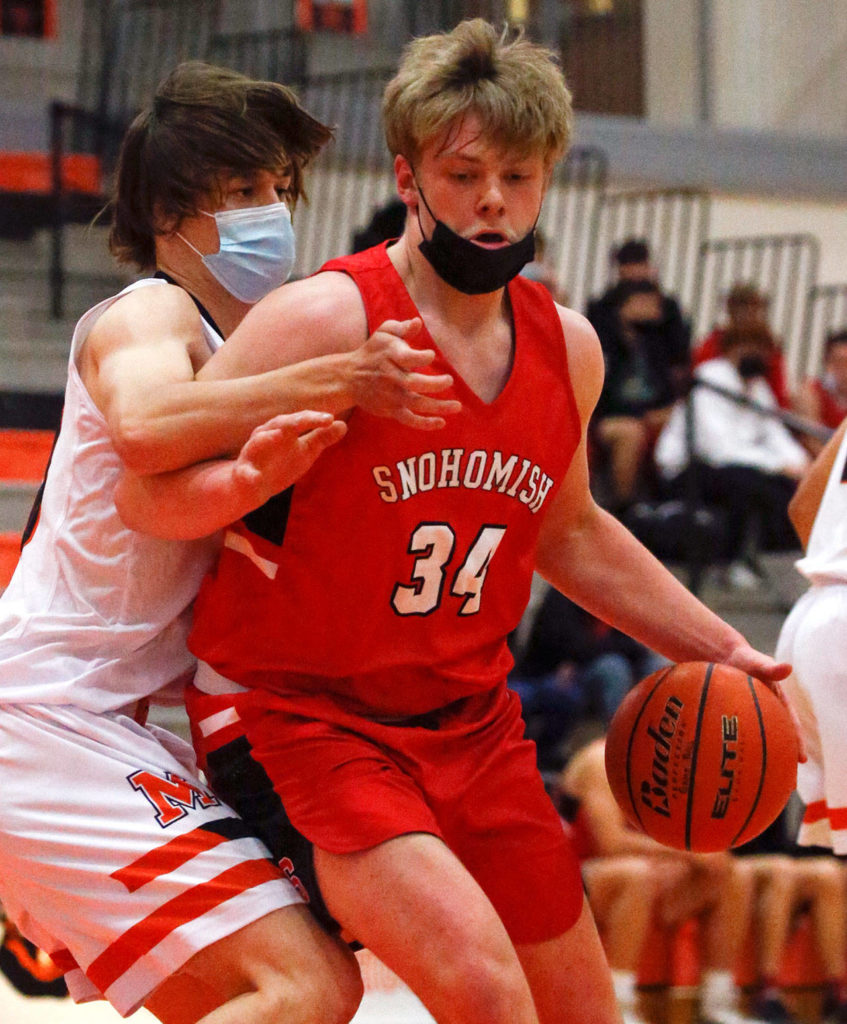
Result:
pixel 387 378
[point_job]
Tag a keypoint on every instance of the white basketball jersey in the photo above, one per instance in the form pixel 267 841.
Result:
pixel 96 614
pixel 826 557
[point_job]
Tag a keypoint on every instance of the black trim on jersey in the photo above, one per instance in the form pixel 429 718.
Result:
pixel 227 828
pixel 35 511
pixel 207 316
pixel 271 519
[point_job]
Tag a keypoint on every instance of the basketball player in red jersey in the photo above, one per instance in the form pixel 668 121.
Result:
pixel 354 632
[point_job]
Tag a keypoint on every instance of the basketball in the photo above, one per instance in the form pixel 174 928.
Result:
pixel 701 756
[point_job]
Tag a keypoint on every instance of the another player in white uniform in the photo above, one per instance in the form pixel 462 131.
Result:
pixel 114 856
pixel 813 639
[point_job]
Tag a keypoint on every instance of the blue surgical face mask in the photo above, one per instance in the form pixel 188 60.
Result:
pixel 256 251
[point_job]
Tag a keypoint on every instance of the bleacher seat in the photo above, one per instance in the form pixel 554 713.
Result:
pixel 671 966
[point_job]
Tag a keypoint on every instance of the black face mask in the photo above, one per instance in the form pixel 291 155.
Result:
pixel 468 267
pixel 752 366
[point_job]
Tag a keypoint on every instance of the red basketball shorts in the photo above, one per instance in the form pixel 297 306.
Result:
pixel 464 773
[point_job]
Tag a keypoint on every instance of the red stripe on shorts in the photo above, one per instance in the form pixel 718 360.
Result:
pixel 118 958
pixel 167 857
pixel 815 812
pixel 64 960
pixel 818 811
pixel 837 817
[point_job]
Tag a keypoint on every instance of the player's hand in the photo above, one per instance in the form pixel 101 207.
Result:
pixel 771 673
pixel 387 378
pixel 281 450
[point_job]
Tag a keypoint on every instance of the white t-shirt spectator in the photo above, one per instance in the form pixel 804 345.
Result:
pixel 726 433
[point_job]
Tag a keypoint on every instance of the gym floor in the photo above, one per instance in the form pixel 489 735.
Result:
pixel 389 1004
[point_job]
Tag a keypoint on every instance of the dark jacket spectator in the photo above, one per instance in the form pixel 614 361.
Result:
pixel 632 263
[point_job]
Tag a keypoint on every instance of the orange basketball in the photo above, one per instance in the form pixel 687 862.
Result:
pixel 701 756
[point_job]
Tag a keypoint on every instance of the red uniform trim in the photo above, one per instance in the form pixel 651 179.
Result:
pixel 64 960
pixel 135 943
pixel 167 858
pixel 818 811
pixel 815 812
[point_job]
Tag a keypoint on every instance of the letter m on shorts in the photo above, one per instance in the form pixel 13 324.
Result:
pixel 170 796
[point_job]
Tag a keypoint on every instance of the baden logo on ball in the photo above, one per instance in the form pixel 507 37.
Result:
pixel 701 756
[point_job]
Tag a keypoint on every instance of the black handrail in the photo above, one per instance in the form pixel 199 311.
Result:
pixel 60 114
pixel 695 562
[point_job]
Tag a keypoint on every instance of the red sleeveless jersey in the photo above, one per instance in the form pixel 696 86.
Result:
pixel 393 571
pixel 832 410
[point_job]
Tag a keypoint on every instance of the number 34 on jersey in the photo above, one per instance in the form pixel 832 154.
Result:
pixel 437 564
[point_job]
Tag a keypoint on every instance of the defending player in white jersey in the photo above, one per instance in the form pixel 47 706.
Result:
pixel 114 856
pixel 813 639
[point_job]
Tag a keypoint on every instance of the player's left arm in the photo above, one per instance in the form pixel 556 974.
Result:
pixel 594 560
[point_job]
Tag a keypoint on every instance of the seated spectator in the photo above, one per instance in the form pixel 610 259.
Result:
pixel 746 306
pixel 788 881
pixel 632 262
pixel 573 667
pixel 638 390
pixel 823 399
pixel 744 462
pixel 632 880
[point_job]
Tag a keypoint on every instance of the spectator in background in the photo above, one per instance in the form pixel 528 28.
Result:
pixel 823 399
pixel 573 667
pixel 386 223
pixel 632 880
pixel 632 262
pixel 638 390
pixel 789 881
pixel 746 306
pixel 745 462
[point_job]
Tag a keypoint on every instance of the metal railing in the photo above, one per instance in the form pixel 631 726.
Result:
pixel 826 312
pixel 68 206
pixel 673 222
pixel 353 176
pixel 278 55
pixel 782 267
pixel 698 560
pixel 569 218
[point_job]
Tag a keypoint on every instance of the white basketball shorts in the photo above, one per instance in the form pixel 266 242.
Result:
pixel 115 858
pixel 814 639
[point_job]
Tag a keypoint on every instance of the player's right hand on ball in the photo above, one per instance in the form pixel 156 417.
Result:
pixel 281 450
pixel 389 378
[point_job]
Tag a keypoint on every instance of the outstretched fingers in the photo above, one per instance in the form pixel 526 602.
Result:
pixel 280 451
pixel 771 673
pixel 390 378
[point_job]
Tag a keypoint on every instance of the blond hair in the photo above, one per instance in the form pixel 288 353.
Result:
pixel 515 88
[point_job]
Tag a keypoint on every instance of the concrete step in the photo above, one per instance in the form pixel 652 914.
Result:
pixel 85 252
pixel 33 346
pixel 33 352
pixel 757 613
